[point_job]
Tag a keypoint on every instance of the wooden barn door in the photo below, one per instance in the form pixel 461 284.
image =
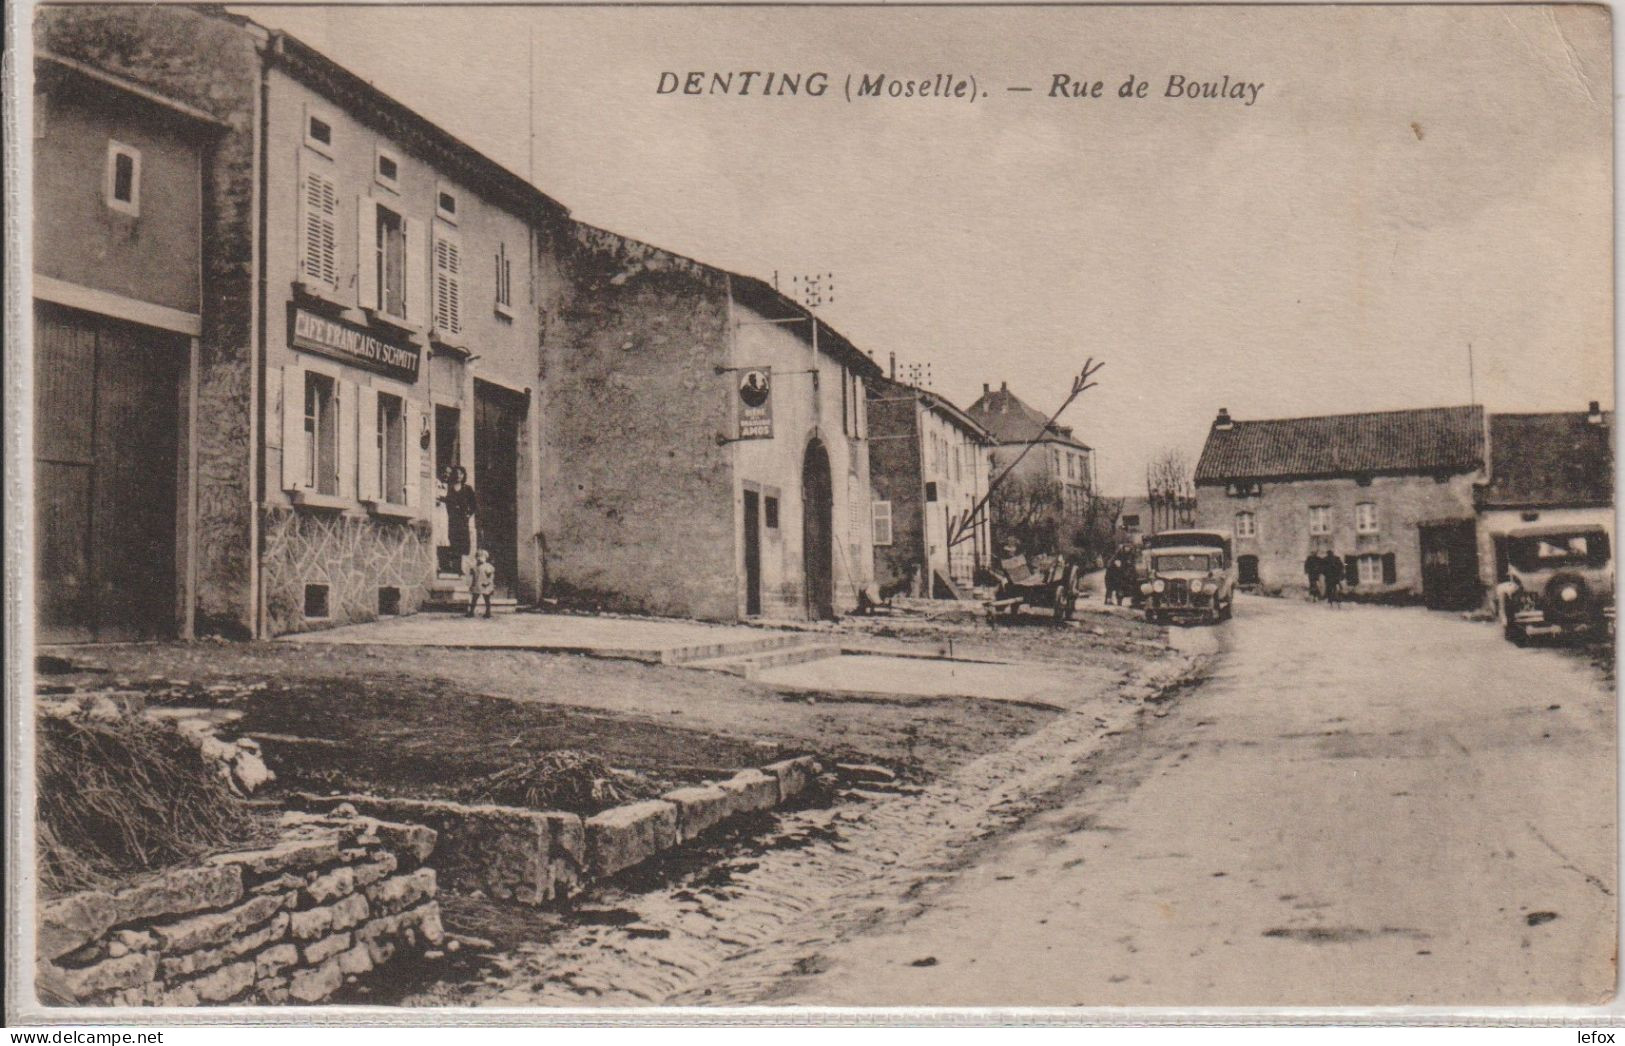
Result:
pixel 498 415
pixel 106 398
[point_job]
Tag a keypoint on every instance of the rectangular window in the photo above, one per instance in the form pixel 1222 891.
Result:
pixel 881 515
pixel 387 170
pixel 318 131
pixel 1131 521
pixel 1370 570
pixel 1365 517
pixel 445 204
pixel 504 279
pixel 1320 519
pixel 392 448
pixel 316 601
pixel 770 512
pixel 931 491
pixel 1246 525
pixel 319 231
pixel 321 434
pixel 391 263
pixel 123 188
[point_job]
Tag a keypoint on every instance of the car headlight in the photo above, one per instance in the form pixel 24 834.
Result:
pixel 1198 587
pixel 1145 589
pixel 1569 594
pixel 1158 585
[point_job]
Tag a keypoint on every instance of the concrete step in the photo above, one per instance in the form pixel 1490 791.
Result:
pixel 683 655
pixel 751 665
pixel 442 600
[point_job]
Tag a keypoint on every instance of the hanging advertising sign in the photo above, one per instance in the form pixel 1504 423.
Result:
pixel 756 403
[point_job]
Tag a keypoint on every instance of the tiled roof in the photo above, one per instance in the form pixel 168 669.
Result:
pixel 1549 460
pixel 1432 440
pixel 1003 414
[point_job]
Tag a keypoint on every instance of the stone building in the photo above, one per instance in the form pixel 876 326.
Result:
pixel 364 314
pixel 1391 493
pixel 1545 469
pixel 1034 450
pixel 122 428
pixel 706 440
pixel 929 465
pixel 352 300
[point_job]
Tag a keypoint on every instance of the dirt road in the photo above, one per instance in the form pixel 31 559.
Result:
pixel 1364 806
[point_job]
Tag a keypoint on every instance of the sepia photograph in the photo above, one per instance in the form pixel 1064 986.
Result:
pixel 871 511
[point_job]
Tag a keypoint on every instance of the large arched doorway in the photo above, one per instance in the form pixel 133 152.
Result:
pixel 817 530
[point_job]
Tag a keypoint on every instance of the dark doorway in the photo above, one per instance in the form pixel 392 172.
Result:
pixel 1450 565
pixel 448 438
pixel 818 531
pixel 498 415
pixel 753 554
pixel 1247 570
pixel 106 401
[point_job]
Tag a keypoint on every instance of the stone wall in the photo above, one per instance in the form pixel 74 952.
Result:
pixel 353 555
pixel 208 61
pixel 534 857
pixel 333 899
pixel 636 492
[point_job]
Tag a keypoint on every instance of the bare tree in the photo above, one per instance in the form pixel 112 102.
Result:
pixel 1170 490
pixel 1028 510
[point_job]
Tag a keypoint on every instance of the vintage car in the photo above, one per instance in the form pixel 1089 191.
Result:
pixel 1192 576
pixel 1560 580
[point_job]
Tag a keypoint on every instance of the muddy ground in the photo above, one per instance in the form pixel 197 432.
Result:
pixel 428 722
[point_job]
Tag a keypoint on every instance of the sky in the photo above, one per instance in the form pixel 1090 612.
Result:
pixel 1409 181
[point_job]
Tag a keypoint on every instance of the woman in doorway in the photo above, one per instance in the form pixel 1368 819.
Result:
pixel 442 527
pixel 460 507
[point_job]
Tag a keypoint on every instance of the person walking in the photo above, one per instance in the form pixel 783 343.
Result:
pixel 1311 570
pixel 1331 573
pixel 482 581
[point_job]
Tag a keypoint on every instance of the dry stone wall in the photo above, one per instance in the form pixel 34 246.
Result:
pixel 333 899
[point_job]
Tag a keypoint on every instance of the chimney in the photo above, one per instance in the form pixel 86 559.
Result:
pixel 1594 413
pixel 1223 423
pixel 893 372
pixel 1004 386
pixel 985 389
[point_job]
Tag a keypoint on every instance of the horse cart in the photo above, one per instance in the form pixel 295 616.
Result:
pixel 1046 581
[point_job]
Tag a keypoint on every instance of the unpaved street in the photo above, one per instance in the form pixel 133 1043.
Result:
pixel 1365 806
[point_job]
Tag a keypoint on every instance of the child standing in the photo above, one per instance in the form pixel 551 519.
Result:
pixel 482 581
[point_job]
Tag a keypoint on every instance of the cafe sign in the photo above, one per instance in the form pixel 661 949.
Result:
pixel 756 403
pixel 351 344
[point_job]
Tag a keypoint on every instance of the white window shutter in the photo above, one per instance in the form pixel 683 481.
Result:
pixel 417 250
pixel 293 427
pixel 318 226
pixel 367 446
pixel 413 456
pixel 863 409
pixel 346 433
pixel 366 252
pixel 448 283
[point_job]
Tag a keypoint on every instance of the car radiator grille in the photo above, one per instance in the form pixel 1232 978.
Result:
pixel 1179 593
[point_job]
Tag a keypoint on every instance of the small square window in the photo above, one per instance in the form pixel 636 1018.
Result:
pixel 319 131
pixel 389 601
pixel 123 178
pixel 316 601
pixel 387 170
pixel 931 491
pixel 770 512
pixel 445 204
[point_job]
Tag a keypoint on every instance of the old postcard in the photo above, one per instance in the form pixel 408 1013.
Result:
pixel 1086 508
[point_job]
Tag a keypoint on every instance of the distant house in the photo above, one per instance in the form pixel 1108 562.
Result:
pixel 1544 469
pixel 1055 453
pixel 1391 493
pixel 928 463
